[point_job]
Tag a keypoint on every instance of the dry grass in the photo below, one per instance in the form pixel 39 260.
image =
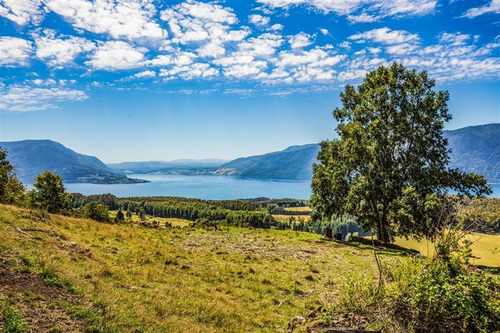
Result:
pixel 286 218
pixel 298 209
pixel 185 280
pixel 485 248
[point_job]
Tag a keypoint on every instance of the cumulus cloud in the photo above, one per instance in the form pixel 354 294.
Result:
pixel 207 25
pixel 385 36
pixel 492 8
pixel 360 10
pixel 129 19
pixel 14 51
pixel 21 11
pixel 259 20
pixel 60 51
pixel 454 57
pixel 301 40
pixel 116 55
pixel 26 98
pixel 189 72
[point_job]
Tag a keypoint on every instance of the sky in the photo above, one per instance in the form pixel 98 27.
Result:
pixel 137 80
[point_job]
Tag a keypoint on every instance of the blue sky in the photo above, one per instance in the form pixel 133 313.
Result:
pixel 160 80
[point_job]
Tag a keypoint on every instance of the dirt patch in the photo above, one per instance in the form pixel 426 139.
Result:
pixel 37 300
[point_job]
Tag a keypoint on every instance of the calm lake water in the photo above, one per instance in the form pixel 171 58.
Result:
pixel 203 187
pixel 207 187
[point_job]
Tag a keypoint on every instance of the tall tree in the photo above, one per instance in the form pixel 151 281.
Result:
pixel 388 168
pixel 11 189
pixel 49 193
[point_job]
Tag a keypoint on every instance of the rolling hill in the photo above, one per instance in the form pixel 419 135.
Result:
pixel 31 157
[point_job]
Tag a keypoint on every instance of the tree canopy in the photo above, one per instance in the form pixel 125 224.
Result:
pixel 388 168
pixel 11 189
pixel 49 193
pixel 96 211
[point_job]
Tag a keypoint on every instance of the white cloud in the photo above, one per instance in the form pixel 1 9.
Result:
pixel 259 20
pixel 493 7
pixel 116 55
pixel 454 38
pixel 14 51
pixel 324 31
pixel 60 51
pixel 276 27
pixel 317 64
pixel 21 11
pixel 451 59
pixel 130 19
pixel 385 36
pixel 360 10
pixel 189 72
pixel 208 26
pixel 301 40
pixel 144 75
pixel 362 18
pixel 26 98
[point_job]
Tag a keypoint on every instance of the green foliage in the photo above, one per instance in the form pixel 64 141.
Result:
pixel 190 209
pixel 389 167
pixel 13 320
pixel 11 189
pixel 120 217
pixel 96 211
pixel 449 297
pixel 49 194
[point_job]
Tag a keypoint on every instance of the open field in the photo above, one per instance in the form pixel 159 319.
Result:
pixel 87 275
pixel 176 222
pixel 485 248
pixel 298 209
pixel 286 218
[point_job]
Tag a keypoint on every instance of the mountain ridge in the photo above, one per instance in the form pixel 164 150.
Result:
pixel 473 149
pixel 31 157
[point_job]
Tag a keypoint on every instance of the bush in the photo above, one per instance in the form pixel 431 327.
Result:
pixel 424 295
pixel 96 211
pixel 449 297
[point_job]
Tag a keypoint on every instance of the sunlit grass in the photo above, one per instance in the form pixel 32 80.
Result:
pixel 189 280
pixel 485 248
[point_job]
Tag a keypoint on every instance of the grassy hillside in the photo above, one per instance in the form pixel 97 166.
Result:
pixel 79 274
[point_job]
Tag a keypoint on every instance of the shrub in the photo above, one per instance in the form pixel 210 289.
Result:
pixel 96 211
pixel 449 297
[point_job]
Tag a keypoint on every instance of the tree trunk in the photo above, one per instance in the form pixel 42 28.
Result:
pixel 382 234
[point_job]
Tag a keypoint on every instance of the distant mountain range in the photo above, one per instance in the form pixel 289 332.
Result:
pixel 31 157
pixel 177 167
pixel 294 162
pixel 474 149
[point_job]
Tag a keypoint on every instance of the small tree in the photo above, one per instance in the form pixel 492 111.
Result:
pixel 96 211
pixel 49 194
pixel 119 216
pixel 11 189
pixel 142 214
pixel 129 214
pixel 389 169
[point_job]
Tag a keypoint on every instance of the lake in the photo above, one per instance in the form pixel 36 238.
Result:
pixel 203 187
pixel 208 187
